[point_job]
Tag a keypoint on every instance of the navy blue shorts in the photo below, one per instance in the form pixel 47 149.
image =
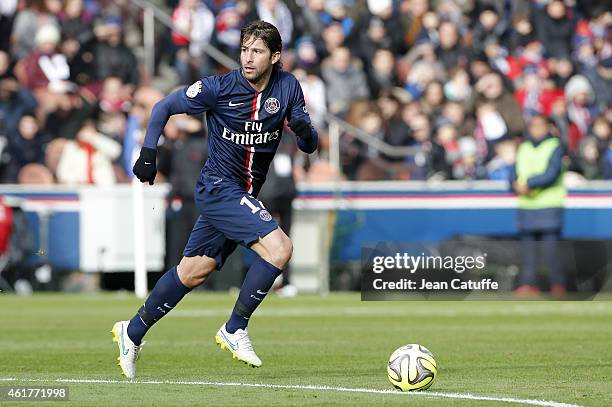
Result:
pixel 228 216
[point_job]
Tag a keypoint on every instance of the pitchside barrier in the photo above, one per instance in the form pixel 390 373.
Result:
pixel 338 218
pixel 92 229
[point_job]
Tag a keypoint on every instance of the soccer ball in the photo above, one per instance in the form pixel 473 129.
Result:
pixel 412 367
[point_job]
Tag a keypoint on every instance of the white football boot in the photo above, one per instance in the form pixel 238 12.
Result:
pixel 128 352
pixel 239 345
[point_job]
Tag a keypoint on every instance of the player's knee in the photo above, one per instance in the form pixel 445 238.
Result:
pixel 281 254
pixel 194 271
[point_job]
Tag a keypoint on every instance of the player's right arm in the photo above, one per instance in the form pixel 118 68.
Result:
pixel 197 98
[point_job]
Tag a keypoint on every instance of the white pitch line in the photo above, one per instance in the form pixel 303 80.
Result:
pixel 431 394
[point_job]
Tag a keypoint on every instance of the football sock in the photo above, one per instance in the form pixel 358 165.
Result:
pixel 168 291
pixel 257 283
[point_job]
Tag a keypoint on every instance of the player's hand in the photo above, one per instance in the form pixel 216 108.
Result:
pixel 145 168
pixel 301 128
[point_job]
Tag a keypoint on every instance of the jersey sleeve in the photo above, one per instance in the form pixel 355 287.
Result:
pixel 298 105
pixel 298 112
pixel 201 95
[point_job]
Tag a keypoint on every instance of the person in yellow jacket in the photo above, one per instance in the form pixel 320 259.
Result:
pixel 538 182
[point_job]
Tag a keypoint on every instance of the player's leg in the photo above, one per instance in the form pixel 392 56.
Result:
pixel 274 250
pixel 243 219
pixel 168 292
pixel 202 255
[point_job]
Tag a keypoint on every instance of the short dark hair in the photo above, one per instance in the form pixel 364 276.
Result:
pixel 264 31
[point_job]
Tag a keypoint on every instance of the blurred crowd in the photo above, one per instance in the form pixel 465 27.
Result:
pixel 455 81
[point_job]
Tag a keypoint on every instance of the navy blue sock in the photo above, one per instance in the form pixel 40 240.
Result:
pixel 168 291
pixel 257 283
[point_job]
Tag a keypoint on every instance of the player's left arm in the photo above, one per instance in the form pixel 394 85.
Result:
pixel 300 124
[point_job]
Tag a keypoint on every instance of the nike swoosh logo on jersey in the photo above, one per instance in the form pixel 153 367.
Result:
pixel 146 163
pixel 231 104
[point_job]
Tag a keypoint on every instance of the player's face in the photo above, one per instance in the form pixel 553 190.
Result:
pixel 256 59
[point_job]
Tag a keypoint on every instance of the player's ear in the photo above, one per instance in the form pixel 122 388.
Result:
pixel 275 57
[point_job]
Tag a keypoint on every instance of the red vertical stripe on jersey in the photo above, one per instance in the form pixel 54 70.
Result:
pixel 250 149
pixel 248 164
pixel 254 106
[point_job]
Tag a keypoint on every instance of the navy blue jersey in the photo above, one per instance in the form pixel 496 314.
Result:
pixel 244 126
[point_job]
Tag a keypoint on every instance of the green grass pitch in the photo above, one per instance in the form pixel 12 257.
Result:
pixel 559 351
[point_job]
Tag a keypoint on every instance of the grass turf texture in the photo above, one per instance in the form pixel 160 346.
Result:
pixel 530 350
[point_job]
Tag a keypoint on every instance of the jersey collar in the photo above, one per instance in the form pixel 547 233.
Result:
pixel 246 83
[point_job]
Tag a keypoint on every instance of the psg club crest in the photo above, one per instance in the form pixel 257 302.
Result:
pixel 272 105
pixel 194 89
pixel 265 216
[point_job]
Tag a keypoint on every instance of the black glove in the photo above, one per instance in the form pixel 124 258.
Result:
pixel 145 168
pixel 301 129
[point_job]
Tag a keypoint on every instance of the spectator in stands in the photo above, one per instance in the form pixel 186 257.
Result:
pixel 336 11
pixel 277 13
pixel 306 56
pixel 555 28
pixel 383 10
pixel 501 165
pixel 457 88
pixel 581 108
pixel 333 37
pixel 228 23
pixel 600 131
pixel 411 15
pixel 26 145
pixel 588 162
pixel 314 96
pixel 345 80
pixel 490 28
pixel 87 160
pixel 426 160
pixel 600 78
pixel 8 9
pixel 396 131
pixel 536 95
pixel 46 73
pixel 27 23
pixel 433 99
pixel 539 186
pixel 381 74
pixel 374 37
pixel 77 39
pixel 311 14
pixel 450 52
pixel 110 54
pixel 491 91
pixel 455 113
pixel 15 101
pixel 195 24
